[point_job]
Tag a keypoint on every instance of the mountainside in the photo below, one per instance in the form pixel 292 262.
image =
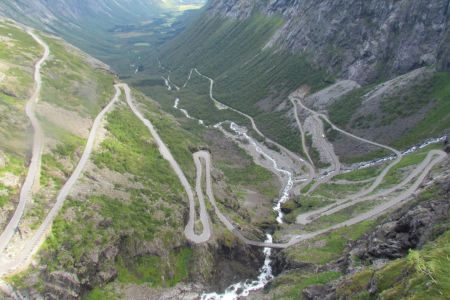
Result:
pixel 80 19
pixel 258 53
pixel 123 220
pixel 356 40
pixel 271 150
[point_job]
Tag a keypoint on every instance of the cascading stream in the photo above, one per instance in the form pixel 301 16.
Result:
pixel 406 152
pixel 290 182
pixel 177 101
pixel 242 289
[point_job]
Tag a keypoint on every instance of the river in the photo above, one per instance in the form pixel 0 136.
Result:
pixel 242 289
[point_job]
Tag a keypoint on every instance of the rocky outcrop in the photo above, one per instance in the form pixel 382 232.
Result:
pixel 410 228
pixel 356 40
pixel 63 274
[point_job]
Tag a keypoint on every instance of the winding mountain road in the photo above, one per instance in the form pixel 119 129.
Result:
pixel 38 140
pixel 329 148
pixel 381 176
pixel 309 165
pixel 220 105
pixel 356 198
pixel 433 157
pixel 189 230
pixel 300 127
pixel 347 133
pixel 423 169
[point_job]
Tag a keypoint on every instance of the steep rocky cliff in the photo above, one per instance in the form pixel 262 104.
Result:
pixel 357 40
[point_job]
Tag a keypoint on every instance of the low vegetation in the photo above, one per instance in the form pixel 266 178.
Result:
pixel 421 275
pixel 360 174
pixel 436 121
pixel 302 204
pixel 342 110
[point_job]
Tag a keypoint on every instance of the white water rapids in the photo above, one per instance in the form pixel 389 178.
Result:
pixel 243 289
pixel 290 182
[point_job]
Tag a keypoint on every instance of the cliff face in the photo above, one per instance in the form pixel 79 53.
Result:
pixel 357 40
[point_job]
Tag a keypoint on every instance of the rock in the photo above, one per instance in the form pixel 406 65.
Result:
pixel 447 149
pixel 372 286
pixel 315 292
pixel 25 232
pixel 105 223
pixel 288 206
pixel 57 174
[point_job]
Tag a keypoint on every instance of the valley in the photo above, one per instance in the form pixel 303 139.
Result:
pixel 229 154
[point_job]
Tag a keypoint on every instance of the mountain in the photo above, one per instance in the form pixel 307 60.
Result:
pixel 260 52
pixel 123 220
pixel 321 127
pixel 356 40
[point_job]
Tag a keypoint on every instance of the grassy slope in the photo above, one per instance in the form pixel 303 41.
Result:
pixel 437 120
pixel 153 214
pixel 70 83
pixel 18 53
